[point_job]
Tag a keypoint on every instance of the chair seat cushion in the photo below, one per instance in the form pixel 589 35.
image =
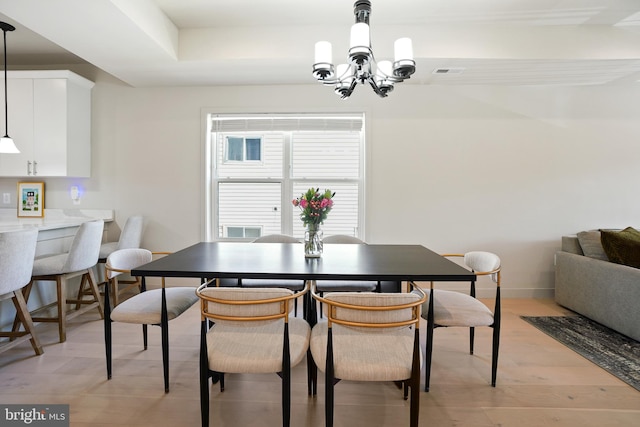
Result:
pixel 146 307
pixel 346 285
pixel 294 285
pixel 49 265
pixel 242 348
pixel 380 355
pixel 457 309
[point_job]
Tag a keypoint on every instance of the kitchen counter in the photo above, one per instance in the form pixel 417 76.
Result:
pixel 53 219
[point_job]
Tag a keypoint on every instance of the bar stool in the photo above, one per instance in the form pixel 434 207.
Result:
pixel 17 251
pixel 130 238
pixel 79 261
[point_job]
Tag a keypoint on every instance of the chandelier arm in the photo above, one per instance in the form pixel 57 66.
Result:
pixel 352 87
pixel 376 88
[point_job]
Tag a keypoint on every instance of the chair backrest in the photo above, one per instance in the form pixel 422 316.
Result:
pixel 276 238
pixel 131 236
pixel 342 238
pixel 125 260
pixel 85 247
pixel 17 252
pixel 483 262
pixel 373 309
pixel 244 304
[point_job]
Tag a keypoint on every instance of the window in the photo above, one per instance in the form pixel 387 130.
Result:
pixel 258 163
pixel 240 149
pixel 242 232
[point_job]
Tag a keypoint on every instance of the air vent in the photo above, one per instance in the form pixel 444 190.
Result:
pixel 448 70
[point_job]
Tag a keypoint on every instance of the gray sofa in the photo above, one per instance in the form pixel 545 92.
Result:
pixel 603 291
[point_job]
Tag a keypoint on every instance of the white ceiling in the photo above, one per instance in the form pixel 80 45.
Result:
pixel 222 42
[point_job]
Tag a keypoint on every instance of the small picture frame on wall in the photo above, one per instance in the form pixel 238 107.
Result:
pixel 31 199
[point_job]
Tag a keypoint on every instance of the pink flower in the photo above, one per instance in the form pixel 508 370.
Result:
pixel 324 203
pixel 295 202
pixel 303 203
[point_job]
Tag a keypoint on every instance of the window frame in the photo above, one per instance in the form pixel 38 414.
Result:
pixel 210 214
pixel 244 230
pixel 244 149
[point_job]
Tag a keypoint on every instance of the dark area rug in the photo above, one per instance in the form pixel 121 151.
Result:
pixel 617 354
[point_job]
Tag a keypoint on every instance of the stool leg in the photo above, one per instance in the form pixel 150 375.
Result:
pixel 25 318
pixel 94 290
pixel 26 291
pixel 61 285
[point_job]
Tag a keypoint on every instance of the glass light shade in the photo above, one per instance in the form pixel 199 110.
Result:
pixel 403 49
pixel 7 145
pixel 323 52
pixel 359 35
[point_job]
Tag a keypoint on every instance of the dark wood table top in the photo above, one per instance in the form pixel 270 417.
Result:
pixel 287 261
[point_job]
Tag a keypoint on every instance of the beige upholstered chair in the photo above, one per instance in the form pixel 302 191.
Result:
pixel 130 237
pixel 369 337
pixel 252 332
pixel 323 286
pixel 343 238
pixel 149 307
pixel 450 309
pixel 59 268
pixel 293 284
pixel 17 251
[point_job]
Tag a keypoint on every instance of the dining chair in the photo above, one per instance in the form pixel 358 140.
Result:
pixel 369 336
pixel 149 307
pixel 446 308
pixel 292 284
pixel 17 251
pixel 130 237
pixel 59 268
pixel 323 286
pixel 251 332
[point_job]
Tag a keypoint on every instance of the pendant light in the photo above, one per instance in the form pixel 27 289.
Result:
pixel 362 67
pixel 6 143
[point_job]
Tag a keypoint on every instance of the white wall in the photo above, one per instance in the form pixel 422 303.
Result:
pixel 504 169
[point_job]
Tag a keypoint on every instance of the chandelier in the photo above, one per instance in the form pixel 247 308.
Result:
pixel 362 66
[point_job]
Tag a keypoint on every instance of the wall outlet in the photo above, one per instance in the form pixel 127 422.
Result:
pixel 6 198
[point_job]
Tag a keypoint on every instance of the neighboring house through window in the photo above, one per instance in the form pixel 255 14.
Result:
pixel 243 149
pixel 256 164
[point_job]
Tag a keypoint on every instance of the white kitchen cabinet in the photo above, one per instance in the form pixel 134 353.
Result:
pixel 50 123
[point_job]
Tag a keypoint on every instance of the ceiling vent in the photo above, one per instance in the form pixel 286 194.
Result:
pixel 458 70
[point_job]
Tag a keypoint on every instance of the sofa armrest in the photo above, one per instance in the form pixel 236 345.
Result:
pixel 606 292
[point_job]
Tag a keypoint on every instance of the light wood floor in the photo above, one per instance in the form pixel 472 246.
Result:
pixel 540 382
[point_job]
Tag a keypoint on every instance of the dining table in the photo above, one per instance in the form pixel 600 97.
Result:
pixel 245 260
pixel 390 262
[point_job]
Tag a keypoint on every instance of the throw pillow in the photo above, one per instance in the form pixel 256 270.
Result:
pixel 622 247
pixel 591 245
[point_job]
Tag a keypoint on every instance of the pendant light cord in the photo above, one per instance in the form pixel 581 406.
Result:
pixel 6 107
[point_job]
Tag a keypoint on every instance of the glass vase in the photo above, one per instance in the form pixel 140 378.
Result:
pixel 313 241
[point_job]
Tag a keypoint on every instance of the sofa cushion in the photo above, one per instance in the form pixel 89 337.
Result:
pixel 591 245
pixel 622 247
